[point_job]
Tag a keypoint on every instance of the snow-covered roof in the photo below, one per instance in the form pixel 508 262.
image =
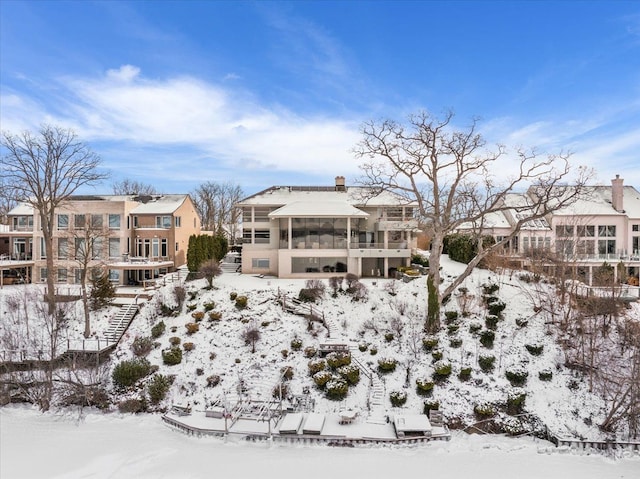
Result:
pixel 164 204
pixel 331 209
pixel 21 210
pixel 597 201
pixel 412 423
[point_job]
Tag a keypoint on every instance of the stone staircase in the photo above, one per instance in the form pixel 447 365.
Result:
pixel 377 410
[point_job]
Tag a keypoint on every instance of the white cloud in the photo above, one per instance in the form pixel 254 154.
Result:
pixel 126 73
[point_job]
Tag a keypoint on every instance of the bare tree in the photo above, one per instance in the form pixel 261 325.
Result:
pixel 7 200
pixel 132 187
pixel 210 270
pixel 446 174
pixel 44 169
pixel 215 204
pixel 251 335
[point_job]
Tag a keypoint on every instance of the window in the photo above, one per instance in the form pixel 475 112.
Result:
pixel 606 247
pixel 63 222
pixel 177 246
pixel 246 215
pixel 586 247
pixel 114 275
pixel 114 247
pixel 77 275
pixel 163 221
pixel 635 227
pixel 246 235
pixel 23 223
pixel 78 221
pixel 260 263
pixel 564 247
pixel 96 221
pixel 177 221
pixel 525 243
pixel 164 248
pixel 318 265
pixel 261 215
pixel 80 248
pixel 586 231
pixel 564 231
pixel 262 236
pixel 114 222
pixel 135 221
pixel 607 231
pixel 62 275
pixel 43 274
pixel 63 248
pixel 155 247
pixel 43 248
pixel 97 248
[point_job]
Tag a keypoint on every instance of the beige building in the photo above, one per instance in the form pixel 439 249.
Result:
pixel 136 238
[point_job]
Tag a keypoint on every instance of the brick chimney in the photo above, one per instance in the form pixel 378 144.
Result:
pixel 617 195
pixel 340 186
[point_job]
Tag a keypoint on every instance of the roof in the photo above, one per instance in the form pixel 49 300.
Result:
pixel 412 423
pixel 331 209
pixel 165 204
pixel 21 210
pixel 597 201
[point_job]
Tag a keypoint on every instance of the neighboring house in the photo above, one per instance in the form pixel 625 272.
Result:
pixel 136 238
pixel 603 226
pixel 319 232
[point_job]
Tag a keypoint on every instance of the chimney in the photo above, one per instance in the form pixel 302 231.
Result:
pixel 340 184
pixel 617 194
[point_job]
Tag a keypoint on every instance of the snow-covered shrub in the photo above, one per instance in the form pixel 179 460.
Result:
pixel 158 330
pixel 486 362
pixel 513 426
pixel 197 316
pixel 336 359
pixel 424 386
pixel 475 326
pixel 484 410
pixel 441 370
pixel 455 342
pixel 452 328
pixel 373 350
pixel 429 342
pixel 321 378
pixel 241 302
pixel 350 373
pixel 158 387
pixel 174 340
pixel 363 347
pixel 308 295
pixel 280 391
pixel 489 288
pixel 129 372
pixel 464 374
pixel 388 337
pixel 491 322
pixel 286 372
pixel 545 375
pixel 398 398
pixel 172 356
pixel 285 353
pixel 535 349
pixel 496 308
pixel 310 352
pixel 515 401
pixel 487 337
pixel 131 406
pixel 209 306
pixel 337 389
pixel 450 316
pixel 387 365
pixel 233 295
pixel 296 344
pixel 436 355
pixel 213 380
pixel 430 406
pixel 142 345
pixel 522 322
pixel 191 307
pixel 215 316
pixel 517 375
pixel 192 328
pixel 189 346
pixel 316 365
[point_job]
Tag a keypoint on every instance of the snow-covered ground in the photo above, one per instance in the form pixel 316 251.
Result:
pixel 59 446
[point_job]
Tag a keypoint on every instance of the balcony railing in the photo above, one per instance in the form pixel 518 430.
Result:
pixel 390 245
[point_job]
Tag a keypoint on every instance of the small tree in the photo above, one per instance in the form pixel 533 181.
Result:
pixel 251 335
pixel 102 291
pixel 210 270
pixel 128 186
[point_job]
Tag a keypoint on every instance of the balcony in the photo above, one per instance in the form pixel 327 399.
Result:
pixel 378 250
pixel 396 224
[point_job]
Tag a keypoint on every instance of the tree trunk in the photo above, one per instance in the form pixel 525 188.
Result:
pixel 85 304
pixel 433 307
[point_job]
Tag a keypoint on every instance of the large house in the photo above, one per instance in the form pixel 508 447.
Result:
pixel 603 226
pixel 324 231
pixel 136 238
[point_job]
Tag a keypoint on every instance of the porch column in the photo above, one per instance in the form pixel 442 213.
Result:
pixel 385 273
pixel 290 235
pixel 348 232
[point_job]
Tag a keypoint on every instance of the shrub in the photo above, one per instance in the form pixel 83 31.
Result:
pixel 491 322
pixel 429 343
pixel 237 360
pixel 398 398
pixel 316 365
pixel 189 346
pixel 436 354
pixel 336 389
pixel 452 329
pixel 517 376
pixel 450 316
pixel 362 347
pixel 464 374
pixel 486 362
pixel 309 295
pixel 522 322
pixel 350 373
pixel 484 410
pixel 474 327
pixel 486 338
pixel 321 378
pixel 212 356
pixel 441 370
pixel 515 401
pixel 496 307
pixel 286 373
pixel 191 307
pixel 285 353
pixel 142 345
pixel 192 328
pixel 131 406
pixel 197 316
pixel 336 359
pixel 241 302
pixel 172 356
pixel 213 380
pixel 545 375
pixel 535 349
pixel 233 295
pixel 174 329
pixel 310 352
pixel 209 306
pixel 424 387
pixel 199 371
pixel 174 340
pixel 158 330
pixel 158 388
pixel 296 344
pixel 419 259
pixel 215 316
pixel 387 365
pixel 430 406
pixel 388 337
pixel 455 342
pixel 490 288
pixel 280 391
pixel 264 324
pixel 192 295
pixel 129 372
pixel 373 350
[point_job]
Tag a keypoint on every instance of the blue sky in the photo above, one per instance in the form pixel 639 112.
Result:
pixel 264 93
